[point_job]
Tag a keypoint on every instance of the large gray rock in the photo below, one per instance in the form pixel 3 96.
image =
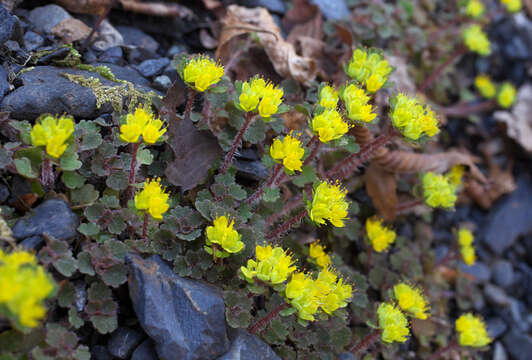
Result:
pixel 123 341
pixel 7 25
pixel 45 90
pixel 137 37
pixel 53 217
pixel 46 17
pixel 518 344
pixel 4 84
pixel 245 346
pixel 510 218
pixel 184 318
pixel 145 351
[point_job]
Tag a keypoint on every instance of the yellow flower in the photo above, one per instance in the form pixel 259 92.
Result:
pixel 152 199
pixel 393 323
pixel 472 331
pixel 467 250
pixel 370 69
pixel 153 131
pixel 356 103
pixel 456 174
pixel 506 95
pixel 252 92
pixel 476 40
pixel 52 133
pixel 288 151
pixel 379 236
pixel 135 123
pixel 272 97
pixel 301 292
pixel 485 86
pixel 334 294
pixel 438 190
pixel 512 5
pixel 24 286
pixel 272 265
pixel 411 118
pixel 329 125
pixel 328 203
pixel 411 300
pixel 475 8
pixel 223 234
pixel 318 254
pixel 202 72
pixel 328 97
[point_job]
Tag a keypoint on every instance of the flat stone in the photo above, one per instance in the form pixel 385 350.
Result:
pixel 245 346
pixel 4 193
pixel 46 17
pixel 332 9
pixel 145 351
pixel 152 67
pixel 503 273
pixel 510 218
pixel 4 84
pixel 479 270
pixel 123 341
pixel 7 25
pixel 254 170
pixel 162 82
pixel 499 353
pixel 137 37
pixel 113 55
pixel 496 327
pixel 32 243
pixel 33 40
pixel 53 217
pixel 176 50
pixel 100 352
pixel 108 37
pixel 518 344
pixel 496 295
pixel 184 318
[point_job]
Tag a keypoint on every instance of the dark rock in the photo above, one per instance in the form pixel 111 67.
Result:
pixel 503 273
pixel 7 25
pixel 134 36
pixel 275 6
pixel 4 84
pixel 499 353
pixel 108 37
pixel 176 50
pixel 346 356
pixel 518 344
pixel 510 218
pixel 496 327
pixel 171 72
pixel 162 83
pixel 152 67
pixel 123 341
pixel 440 251
pixel 4 193
pixel 137 55
pixel 496 295
pixel 33 40
pixel 189 323
pixel 254 170
pixel 332 9
pixel 526 282
pixel 45 90
pixel 113 55
pixel 53 217
pixel 34 243
pixel 46 17
pixel 245 346
pixel 145 351
pixel 480 271
pixel 100 352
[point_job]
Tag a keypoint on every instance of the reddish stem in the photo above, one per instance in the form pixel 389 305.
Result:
pixel 47 173
pixel 236 142
pixel 313 144
pixel 366 342
pixel 133 167
pixel 428 81
pixel 190 101
pixel 400 208
pixel 451 255
pixel 266 319
pixel 97 25
pixel 289 207
pixel 437 355
pixel 257 194
pixel 145 227
pixel 287 225
pixel 465 109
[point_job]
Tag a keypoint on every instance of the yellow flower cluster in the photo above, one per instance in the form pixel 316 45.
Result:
pixel 472 331
pixel 318 255
pixel 152 199
pixel 52 133
pixel 512 5
pixel 411 118
pixel 329 125
pixel 288 151
pixel 272 265
pixel 506 95
pixel 24 285
pixel 467 250
pixel 379 236
pixel 485 86
pixel 369 68
pixel 476 40
pixel 455 175
pixel 357 104
pixel 328 97
pixel 223 234
pixel 202 72
pixel 411 300
pixel 475 8
pixel 142 122
pixel 264 94
pixel 328 203
pixel 438 190
pixel 308 296
pixel 393 323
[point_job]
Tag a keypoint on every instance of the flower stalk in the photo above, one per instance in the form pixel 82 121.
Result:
pixel 287 225
pixel 236 143
pixel 366 342
pixel 145 227
pixel 438 354
pixel 266 319
pixel 428 81
pixel 47 173
pixel 190 101
pixel 271 181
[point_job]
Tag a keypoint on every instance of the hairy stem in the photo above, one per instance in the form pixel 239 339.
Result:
pixel 47 173
pixel 366 342
pixel 437 355
pixel 428 81
pixel 451 255
pixel 287 225
pixel 257 194
pixel 402 207
pixel 190 102
pixel 252 329
pixel 145 227
pixel 465 109
pixel 236 143
pixel 133 167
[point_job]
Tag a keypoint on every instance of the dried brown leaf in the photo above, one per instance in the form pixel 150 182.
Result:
pixel 240 20
pixel 99 7
pixel 70 30
pixel 381 186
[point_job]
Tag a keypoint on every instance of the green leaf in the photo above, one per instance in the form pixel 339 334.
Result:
pixel 70 162
pixel 101 308
pixel 256 132
pixel 288 312
pixel 308 175
pixel 94 212
pixel 72 179
pixel 115 276
pixel 84 263
pixel 117 225
pixel 89 229
pixel 66 295
pixel 6 157
pixel 348 143
pixel 66 265
pixel 85 195
pixel 271 194
pixel 118 181
pixel 24 128
pixel 24 168
pixel 283 108
pixel 237 192
pixel 305 109
pixel 90 141
pixel 110 201
pixel 144 157
pixel 74 319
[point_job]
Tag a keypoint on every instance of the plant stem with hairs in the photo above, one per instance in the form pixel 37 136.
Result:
pixel 190 102
pixel 145 227
pixel 428 81
pixel 366 342
pixel 257 194
pixel 437 355
pixel 252 329
pixel 287 225
pixel 236 143
pixel 134 147
pixel 47 173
